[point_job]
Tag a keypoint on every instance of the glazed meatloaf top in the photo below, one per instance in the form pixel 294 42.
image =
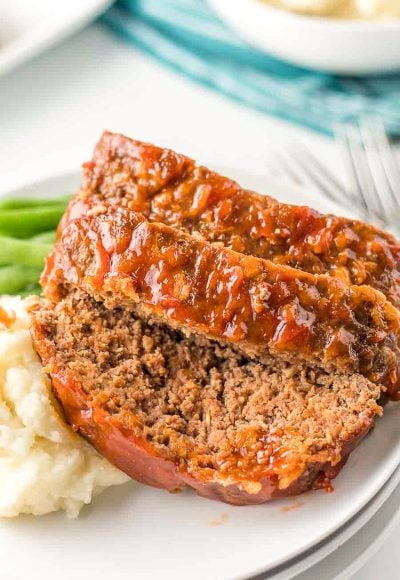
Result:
pixel 174 410
pixel 171 188
pixel 264 309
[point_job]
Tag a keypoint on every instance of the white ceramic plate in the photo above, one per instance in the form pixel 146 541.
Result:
pixel 151 534
pixel 351 556
pixel 312 564
pixel 327 44
pixel 27 27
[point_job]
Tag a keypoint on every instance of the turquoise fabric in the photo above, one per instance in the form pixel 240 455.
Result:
pixel 187 36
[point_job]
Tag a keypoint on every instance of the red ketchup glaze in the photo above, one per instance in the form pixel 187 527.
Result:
pixel 265 308
pixel 170 188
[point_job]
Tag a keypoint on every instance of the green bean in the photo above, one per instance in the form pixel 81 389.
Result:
pixel 24 223
pixel 29 202
pixel 15 279
pixel 45 237
pixel 29 290
pixel 26 252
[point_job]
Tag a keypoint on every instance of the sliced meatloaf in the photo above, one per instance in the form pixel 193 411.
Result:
pixel 174 410
pixel 170 188
pixel 265 310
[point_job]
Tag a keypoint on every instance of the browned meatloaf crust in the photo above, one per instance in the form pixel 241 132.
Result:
pixel 264 309
pixel 171 188
pixel 175 411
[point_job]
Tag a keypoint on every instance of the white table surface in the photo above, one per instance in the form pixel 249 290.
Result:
pixel 53 110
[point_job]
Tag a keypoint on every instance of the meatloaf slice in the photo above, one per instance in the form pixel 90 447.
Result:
pixel 174 411
pixel 171 188
pixel 266 310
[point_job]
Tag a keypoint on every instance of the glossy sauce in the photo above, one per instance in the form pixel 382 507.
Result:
pixel 169 188
pixel 267 309
pixel 279 455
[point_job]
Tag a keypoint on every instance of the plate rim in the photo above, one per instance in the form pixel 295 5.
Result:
pixel 344 534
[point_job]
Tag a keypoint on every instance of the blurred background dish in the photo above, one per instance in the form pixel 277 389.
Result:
pixel 344 46
pixel 28 28
pixel 188 37
pixel 355 9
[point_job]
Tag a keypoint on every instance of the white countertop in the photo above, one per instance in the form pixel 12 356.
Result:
pixel 53 110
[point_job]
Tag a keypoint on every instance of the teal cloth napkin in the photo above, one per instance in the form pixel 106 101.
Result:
pixel 187 36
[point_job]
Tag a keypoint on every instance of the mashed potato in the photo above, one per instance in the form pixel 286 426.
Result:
pixel 367 9
pixel 314 7
pixel 44 465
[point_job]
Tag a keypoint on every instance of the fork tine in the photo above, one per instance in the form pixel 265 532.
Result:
pixel 350 163
pixel 388 160
pixel 316 167
pixel 382 188
pixel 287 168
pixel 312 176
pixel 273 168
pixel 363 172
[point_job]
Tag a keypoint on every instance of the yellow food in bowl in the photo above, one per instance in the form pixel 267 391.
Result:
pixel 44 465
pixel 354 9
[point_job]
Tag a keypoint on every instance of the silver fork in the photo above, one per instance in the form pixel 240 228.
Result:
pixel 373 173
pixel 296 162
pixel 372 168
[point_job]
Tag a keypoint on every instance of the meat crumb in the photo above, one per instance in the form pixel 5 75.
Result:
pixel 219 520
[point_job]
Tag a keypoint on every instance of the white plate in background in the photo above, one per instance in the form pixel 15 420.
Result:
pixel 138 531
pixel 27 27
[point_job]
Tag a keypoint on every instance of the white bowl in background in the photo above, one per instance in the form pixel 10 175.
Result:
pixel 350 47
